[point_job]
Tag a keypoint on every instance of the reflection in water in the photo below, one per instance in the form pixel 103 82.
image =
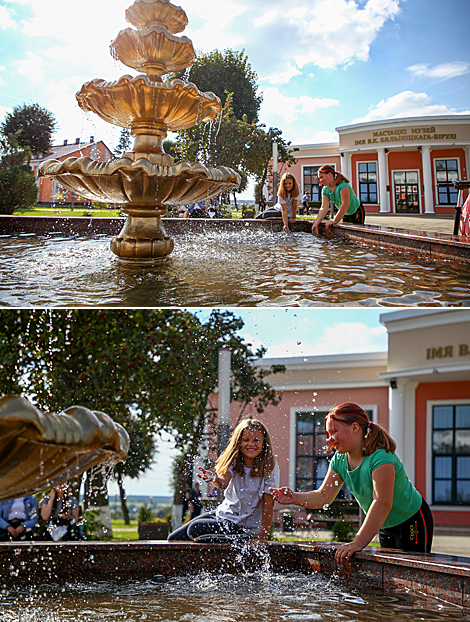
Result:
pixel 248 597
pixel 247 268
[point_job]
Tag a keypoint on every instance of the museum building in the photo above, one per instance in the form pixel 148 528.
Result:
pixel 394 165
pixel 419 390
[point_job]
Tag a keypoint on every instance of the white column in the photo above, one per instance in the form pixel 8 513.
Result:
pixel 402 422
pixel 346 164
pixel 427 180
pixel 382 173
pixel 467 163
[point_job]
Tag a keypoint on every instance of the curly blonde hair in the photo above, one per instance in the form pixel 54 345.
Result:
pixel 232 455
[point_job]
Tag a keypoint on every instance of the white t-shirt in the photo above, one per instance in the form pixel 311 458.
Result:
pixel 18 510
pixel 243 499
pixel 287 203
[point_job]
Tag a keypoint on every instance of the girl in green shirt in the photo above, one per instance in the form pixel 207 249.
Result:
pixel 365 460
pixel 336 187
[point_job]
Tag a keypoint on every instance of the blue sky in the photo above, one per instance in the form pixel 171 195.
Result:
pixel 321 64
pixel 284 332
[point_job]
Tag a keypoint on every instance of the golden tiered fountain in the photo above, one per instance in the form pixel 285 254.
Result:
pixel 146 179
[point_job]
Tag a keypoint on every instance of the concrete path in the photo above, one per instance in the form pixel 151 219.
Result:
pixel 415 222
pixel 445 544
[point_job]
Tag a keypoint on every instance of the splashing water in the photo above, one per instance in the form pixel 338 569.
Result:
pixel 206 597
pixel 239 268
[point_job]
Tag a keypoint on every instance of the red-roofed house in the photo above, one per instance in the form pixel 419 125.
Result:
pixel 49 190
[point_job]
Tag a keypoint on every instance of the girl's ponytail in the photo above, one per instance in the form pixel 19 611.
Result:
pixel 378 438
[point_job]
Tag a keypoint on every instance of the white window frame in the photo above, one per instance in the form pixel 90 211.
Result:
pixel 429 495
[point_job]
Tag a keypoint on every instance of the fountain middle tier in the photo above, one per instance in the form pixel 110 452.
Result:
pixel 141 179
pixel 149 107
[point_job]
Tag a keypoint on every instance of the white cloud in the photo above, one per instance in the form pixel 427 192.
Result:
pixel 444 71
pixel 32 67
pixel 283 40
pixel 406 104
pixel 290 108
pixel 341 338
pixel 6 20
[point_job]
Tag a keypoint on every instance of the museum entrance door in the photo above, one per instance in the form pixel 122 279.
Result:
pixel 406 190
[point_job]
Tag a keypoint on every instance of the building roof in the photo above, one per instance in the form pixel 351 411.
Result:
pixel 61 151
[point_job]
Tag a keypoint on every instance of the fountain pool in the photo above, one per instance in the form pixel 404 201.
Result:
pixel 244 266
pixel 207 597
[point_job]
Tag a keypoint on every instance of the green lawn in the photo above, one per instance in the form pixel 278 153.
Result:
pixel 66 211
pixel 124 532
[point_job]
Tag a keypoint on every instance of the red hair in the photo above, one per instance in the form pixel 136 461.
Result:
pixel 375 435
pixel 339 177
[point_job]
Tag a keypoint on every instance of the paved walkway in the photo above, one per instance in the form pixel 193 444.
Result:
pixel 444 544
pixel 415 222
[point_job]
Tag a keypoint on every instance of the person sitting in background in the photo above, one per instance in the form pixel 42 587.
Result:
pixel 61 511
pixel 18 519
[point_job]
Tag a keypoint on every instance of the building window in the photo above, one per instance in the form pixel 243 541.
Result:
pixel 368 182
pixel 446 172
pixel 311 186
pixel 312 454
pixel 451 454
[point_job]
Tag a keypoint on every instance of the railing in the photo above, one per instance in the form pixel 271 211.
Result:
pixel 460 185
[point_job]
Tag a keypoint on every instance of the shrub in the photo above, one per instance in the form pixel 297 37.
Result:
pixel 145 514
pixel 18 189
pixel 343 531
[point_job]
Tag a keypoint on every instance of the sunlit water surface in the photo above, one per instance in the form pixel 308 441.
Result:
pixel 247 268
pixel 248 597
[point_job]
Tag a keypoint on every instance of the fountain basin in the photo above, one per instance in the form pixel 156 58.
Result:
pixel 442 576
pixel 227 263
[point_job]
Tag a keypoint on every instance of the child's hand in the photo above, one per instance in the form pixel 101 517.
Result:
pixel 285 496
pixel 208 475
pixel 345 552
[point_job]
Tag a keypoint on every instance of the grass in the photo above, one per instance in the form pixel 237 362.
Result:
pixel 123 532
pixel 66 211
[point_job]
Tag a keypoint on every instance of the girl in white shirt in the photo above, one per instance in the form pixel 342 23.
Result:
pixel 288 197
pixel 245 471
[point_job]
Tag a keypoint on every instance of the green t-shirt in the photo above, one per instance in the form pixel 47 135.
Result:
pixel 335 196
pixel 406 499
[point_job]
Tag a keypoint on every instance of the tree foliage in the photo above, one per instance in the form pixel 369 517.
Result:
pixel 32 125
pixel 150 370
pixel 124 143
pixel 224 72
pixel 18 189
pixel 236 143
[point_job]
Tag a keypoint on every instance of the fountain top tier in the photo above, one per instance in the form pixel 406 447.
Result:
pixel 146 178
pixel 146 104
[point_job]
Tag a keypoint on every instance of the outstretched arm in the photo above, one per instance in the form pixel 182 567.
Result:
pixel 325 495
pixel 325 206
pixel 345 201
pixel 211 477
pixel 383 481
pixel 267 518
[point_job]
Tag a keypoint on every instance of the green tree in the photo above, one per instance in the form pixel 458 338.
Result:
pixel 33 126
pixel 124 143
pixel 18 189
pixel 224 72
pixel 244 146
pixel 151 370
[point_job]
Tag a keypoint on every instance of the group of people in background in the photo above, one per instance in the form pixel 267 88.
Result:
pixel 56 518
pixel 336 188
pixel 209 209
